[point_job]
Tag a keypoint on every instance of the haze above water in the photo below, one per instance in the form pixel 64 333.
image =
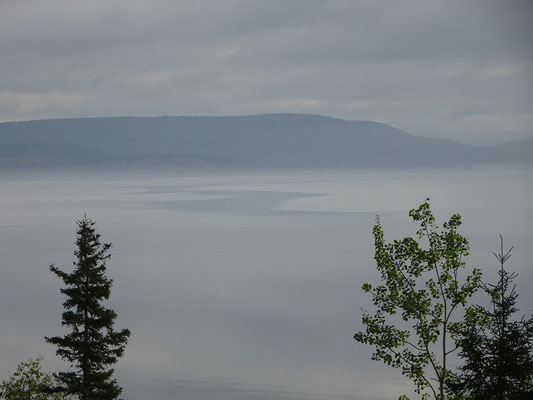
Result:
pixel 240 286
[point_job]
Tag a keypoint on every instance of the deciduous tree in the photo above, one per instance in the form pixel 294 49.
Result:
pixel 29 382
pixel 420 294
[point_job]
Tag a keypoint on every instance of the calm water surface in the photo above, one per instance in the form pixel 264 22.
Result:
pixel 239 286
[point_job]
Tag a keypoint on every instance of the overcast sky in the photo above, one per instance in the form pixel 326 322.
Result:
pixel 456 69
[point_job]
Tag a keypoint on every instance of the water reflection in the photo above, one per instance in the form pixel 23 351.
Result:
pixel 247 203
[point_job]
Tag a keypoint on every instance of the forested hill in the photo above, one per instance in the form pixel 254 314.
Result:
pixel 259 141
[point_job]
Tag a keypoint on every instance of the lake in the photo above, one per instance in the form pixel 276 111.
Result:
pixel 240 285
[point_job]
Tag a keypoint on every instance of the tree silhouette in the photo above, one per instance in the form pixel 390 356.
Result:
pixel 497 351
pixel 92 345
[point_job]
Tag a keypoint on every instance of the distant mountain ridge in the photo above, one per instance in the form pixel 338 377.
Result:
pixel 257 141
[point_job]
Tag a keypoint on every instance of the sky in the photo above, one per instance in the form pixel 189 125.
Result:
pixel 455 69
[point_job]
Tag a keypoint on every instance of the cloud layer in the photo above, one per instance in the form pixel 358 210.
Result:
pixel 438 68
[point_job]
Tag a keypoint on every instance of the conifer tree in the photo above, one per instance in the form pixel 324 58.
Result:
pixel 92 345
pixel 496 348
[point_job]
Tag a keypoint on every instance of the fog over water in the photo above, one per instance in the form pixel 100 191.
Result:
pixel 242 285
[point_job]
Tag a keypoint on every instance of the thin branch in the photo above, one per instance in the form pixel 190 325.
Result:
pixel 412 365
pixel 451 351
pixel 415 346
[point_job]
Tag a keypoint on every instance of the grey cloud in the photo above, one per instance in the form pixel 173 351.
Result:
pixel 424 67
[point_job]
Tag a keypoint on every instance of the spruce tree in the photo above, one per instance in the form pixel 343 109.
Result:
pixel 92 345
pixel 497 349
